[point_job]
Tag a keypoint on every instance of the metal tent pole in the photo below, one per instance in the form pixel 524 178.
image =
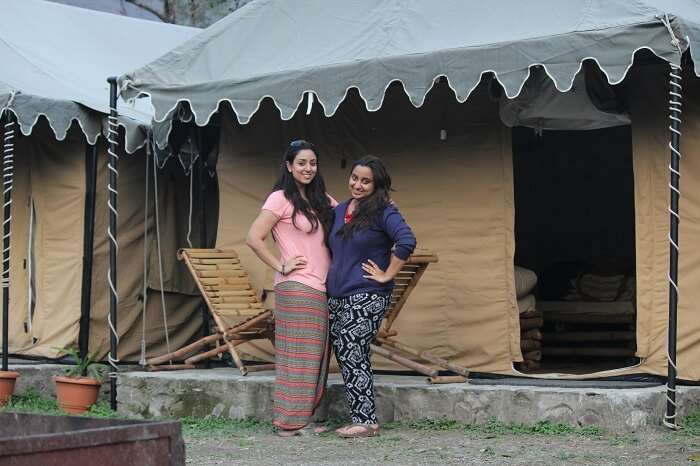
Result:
pixel 7 175
pixel 113 158
pixel 88 246
pixel 674 167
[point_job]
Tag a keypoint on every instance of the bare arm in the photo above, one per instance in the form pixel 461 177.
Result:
pixel 258 233
pixel 375 273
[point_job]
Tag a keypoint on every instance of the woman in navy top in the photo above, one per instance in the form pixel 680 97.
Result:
pixel 369 242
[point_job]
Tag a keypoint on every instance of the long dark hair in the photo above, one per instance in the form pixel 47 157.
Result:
pixel 317 206
pixel 368 209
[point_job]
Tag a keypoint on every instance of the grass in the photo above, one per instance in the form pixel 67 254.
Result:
pixel 496 428
pixel 32 402
pixel 207 426
pixel 691 424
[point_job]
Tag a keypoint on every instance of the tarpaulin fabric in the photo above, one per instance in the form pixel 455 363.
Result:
pixel 456 195
pixel 57 58
pixel 326 48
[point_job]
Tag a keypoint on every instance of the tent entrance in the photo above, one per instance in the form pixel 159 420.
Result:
pixel 575 228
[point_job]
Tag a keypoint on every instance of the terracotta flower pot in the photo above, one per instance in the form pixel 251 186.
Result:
pixel 7 385
pixel 76 394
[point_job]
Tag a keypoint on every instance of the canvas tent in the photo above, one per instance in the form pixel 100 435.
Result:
pixel 56 60
pixel 384 77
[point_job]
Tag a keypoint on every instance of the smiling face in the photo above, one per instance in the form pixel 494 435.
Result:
pixel 361 183
pixel 304 167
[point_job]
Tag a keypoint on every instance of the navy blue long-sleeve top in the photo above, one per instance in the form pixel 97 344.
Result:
pixel 390 234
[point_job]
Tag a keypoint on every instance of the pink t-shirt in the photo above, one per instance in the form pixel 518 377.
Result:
pixel 299 241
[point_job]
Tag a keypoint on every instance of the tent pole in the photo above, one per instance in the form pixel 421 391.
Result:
pixel 88 246
pixel 675 123
pixel 112 136
pixel 7 171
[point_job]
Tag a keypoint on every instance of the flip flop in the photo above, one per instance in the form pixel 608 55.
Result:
pixel 367 430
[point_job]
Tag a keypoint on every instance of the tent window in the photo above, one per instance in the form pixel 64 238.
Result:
pixel 31 265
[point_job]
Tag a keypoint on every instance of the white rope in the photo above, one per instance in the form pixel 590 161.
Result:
pixel 7 176
pixel 189 217
pixel 142 361
pixel 112 135
pixel 160 255
pixel 675 114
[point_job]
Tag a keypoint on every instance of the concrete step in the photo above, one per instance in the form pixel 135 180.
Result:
pixel 224 392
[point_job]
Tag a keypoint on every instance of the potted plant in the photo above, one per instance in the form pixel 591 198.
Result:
pixel 79 387
pixel 7 385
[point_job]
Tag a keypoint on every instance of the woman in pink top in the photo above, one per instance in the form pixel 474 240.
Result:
pixel 298 213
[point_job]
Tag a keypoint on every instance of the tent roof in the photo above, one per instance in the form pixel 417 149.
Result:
pixel 56 59
pixel 282 49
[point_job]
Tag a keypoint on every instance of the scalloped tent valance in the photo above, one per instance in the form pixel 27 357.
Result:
pixel 286 50
pixel 56 60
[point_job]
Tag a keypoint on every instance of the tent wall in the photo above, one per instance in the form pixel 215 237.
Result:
pixel 456 194
pixel 689 266
pixel 184 320
pixel 51 174
pixel 647 91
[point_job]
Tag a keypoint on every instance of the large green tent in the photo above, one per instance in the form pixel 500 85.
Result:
pixel 56 59
pixel 384 76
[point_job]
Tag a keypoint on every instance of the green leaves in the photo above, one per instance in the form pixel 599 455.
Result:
pixel 84 367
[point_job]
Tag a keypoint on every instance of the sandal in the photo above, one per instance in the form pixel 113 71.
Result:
pixel 309 429
pixel 367 430
pixel 314 429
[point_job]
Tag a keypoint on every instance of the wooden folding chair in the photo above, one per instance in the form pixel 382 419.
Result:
pixel 237 311
pixel 387 346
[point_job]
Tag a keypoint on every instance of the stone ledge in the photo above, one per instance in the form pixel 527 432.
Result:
pixel 223 392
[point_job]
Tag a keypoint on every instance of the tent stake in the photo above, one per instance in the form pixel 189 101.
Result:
pixel 674 167
pixel 112 137
pixel 88 246
pixel 7 172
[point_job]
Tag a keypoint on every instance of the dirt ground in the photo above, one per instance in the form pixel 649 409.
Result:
pixel 406 446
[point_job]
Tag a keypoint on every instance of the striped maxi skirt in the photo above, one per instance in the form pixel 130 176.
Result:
pixel 302 353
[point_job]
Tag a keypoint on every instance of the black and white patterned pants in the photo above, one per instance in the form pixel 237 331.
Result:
pixel 354 322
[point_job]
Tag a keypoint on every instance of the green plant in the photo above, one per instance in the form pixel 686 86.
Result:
pixel 86 366
pixel 31 401
pixel 102 409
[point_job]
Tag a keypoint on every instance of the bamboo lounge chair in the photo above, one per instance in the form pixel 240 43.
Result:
pixel 239 316
pixel 387 346
pixel 237 312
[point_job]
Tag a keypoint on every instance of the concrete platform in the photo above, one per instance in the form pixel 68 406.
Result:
pixel 223 392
